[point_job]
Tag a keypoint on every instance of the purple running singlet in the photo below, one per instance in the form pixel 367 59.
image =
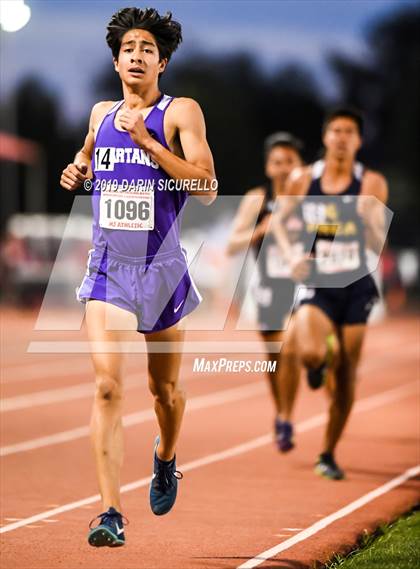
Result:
pixel 137 262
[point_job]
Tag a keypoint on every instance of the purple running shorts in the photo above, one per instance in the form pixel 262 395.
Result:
pixel 157 289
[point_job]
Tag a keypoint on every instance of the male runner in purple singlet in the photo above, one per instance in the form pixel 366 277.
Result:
pixel 137 269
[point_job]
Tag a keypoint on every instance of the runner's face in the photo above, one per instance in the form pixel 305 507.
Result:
pixel 281 160
pixel 342 139
pixel 138 61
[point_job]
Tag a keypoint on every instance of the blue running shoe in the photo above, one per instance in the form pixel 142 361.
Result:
pixel 284 435
pixel 164 484
pixel 110 530
pixel 285 440
pixel 278 429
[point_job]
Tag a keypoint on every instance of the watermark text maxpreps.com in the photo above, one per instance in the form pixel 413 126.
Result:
pixel 204 365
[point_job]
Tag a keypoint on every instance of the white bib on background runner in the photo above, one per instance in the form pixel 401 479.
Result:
pixel 336 257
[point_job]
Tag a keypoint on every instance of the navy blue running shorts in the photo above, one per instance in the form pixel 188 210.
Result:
pixel 348 305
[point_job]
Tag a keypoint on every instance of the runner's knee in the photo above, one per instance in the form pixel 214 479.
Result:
pixel 313 356
pixel 165 393
pixel 108 388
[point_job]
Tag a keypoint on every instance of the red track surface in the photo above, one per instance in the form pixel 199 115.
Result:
pixel 228 510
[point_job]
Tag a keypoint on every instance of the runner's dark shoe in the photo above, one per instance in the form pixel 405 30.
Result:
pixel 317 377
pixel 164 484
pixel 328 468
pixel 110 530
pixel 284 435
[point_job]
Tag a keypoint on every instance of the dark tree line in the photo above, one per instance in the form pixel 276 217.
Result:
pixel 387 88
pixel 242 105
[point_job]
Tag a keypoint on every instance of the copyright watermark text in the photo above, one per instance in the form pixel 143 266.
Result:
pixel 142 185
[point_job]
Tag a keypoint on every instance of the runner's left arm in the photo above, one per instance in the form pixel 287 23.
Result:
pixel 372 208
pixel 187 121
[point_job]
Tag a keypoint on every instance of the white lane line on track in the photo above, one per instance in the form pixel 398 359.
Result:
pixel 42 370
pixel 70 393
pixel 328 520
pixel 195 403
pixel 56 369
pixel 292 529
pixel 38 398
pixel 390 396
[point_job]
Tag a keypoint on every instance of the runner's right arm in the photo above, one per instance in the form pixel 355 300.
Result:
pixel 245 232
pixel 74 175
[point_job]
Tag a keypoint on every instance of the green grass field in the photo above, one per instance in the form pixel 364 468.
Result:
pixel 392 547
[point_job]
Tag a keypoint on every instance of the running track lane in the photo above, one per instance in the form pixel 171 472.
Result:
pixel 247 514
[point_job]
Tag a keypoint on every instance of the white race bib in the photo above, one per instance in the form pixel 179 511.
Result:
pixel 276 266
pixel 130 211
pixel 336 257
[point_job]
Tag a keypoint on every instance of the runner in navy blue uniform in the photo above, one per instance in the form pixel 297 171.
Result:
pixel 137 275
pixel 341 217
pixel 275 290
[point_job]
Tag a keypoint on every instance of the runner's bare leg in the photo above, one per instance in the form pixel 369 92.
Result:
pixel 342 384
pixel 169 399
pixel 106 422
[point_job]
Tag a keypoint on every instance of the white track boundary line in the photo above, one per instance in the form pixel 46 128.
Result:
pixel 60 395
pixel 328 520
pixel 364 405
pixel 200 402
pixel 72 392
pixel 43 370
pixel 55 370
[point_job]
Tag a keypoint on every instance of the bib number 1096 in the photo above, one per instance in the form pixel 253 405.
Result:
pixel 130 213
pixel 129 209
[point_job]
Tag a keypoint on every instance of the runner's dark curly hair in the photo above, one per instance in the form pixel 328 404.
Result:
pixel 166 31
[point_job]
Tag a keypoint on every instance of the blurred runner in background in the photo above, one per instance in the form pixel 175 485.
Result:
pixel 336 197
pixel 274 293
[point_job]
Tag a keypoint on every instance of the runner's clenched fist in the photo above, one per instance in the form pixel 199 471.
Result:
pixel 73 176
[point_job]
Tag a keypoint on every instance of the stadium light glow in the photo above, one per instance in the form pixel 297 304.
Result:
pixel 14 15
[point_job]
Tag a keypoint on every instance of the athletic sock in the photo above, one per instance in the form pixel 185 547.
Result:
pixel 165 461
pixel 326 457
